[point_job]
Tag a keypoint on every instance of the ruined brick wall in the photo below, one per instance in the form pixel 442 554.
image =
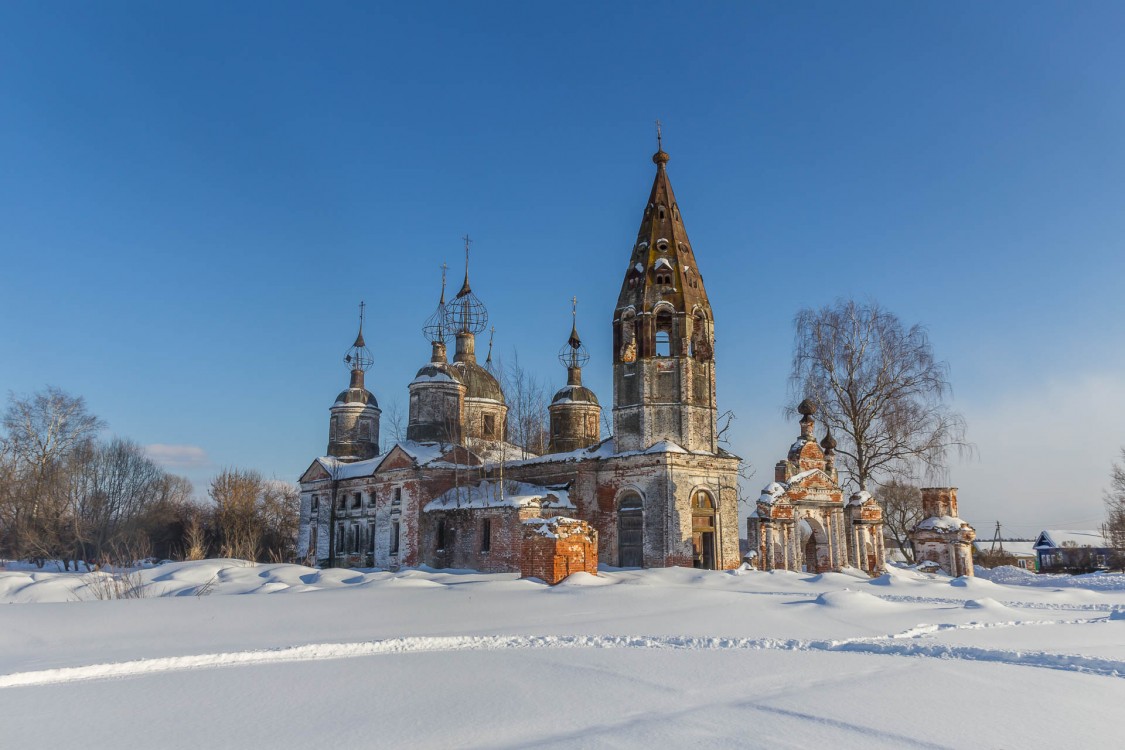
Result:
pixel 465 545
pixel 554 548
pixel 939 501
pixel 942 537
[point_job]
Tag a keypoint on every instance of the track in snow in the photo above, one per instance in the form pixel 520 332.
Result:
pixel 890 646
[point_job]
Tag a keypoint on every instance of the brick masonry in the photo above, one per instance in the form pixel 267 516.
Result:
pixel 553 548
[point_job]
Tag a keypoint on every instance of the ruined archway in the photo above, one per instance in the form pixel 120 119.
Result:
pixel 814 546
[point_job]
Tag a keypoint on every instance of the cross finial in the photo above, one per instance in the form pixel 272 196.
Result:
pixel 659 137
pixel 574 307
pixel 362 305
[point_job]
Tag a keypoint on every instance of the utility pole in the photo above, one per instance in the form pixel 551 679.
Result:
pixel 997 541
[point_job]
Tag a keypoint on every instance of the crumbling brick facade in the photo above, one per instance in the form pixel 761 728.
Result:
pixel 942 538
pixel 553 548
pixel 801 521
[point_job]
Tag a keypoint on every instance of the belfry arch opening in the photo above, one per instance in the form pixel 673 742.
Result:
pixel 703 531
pixel 663 338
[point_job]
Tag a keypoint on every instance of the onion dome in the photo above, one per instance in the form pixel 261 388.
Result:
pixel 479 382
pixel 466 313
pixel 829 442
pixel 358 357
pixel 573 356
pixel 434 328
pixel 806 408
pixel 356 395
pixel 575 394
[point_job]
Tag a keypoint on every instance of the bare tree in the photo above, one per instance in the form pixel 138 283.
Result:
pixel 528 417
pixel 41 431
pixel 902 511
pixel 1114 528
pixel 235 493
pixel 396 419
pixel 254 519
pixel 745 471
pixel 879 388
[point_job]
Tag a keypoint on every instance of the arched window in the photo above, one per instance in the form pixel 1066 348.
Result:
pixel 628 337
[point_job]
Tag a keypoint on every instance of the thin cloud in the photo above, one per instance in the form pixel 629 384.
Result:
pixel 177 456
pixel 1044 455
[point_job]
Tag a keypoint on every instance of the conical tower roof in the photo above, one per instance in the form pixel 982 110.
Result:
pixel 662 266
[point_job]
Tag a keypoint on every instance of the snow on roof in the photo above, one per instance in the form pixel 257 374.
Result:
pixel 802 475
pixel 439 377
pixel 662 263
pixel 772 492
pixel 942 523
pixel 859 498
pixel 665 446
pixel 338 469
pixel 495 451
pixel 423 453
pixel 1054 538
pixel 508 494
pixel 549 527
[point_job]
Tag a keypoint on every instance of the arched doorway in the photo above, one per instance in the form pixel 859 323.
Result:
pixel 703 531
pixel 630 531
pixel 813 543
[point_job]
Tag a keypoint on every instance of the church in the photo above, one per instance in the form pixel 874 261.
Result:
pixel 456 494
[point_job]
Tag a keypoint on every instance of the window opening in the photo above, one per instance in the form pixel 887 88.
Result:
pixel 486 535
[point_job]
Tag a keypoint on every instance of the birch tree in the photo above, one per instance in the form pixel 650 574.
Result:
pixel 879 387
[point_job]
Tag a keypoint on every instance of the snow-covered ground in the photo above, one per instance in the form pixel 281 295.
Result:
pixel 655 658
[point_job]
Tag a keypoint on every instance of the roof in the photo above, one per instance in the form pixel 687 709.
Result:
pixel 570 394
pixel 356 396
pixel 507 494
pixel 1055 538
pixel 662 243
pixel 479 382
pixel 1017 549
pixel 422 453
pixel 941 523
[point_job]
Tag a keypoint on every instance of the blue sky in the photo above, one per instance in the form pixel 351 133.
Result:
pixel 194 198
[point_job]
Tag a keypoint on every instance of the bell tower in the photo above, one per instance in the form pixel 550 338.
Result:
pixel 353 429
pixel 663 334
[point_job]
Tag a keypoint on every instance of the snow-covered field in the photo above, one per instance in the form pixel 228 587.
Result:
pixel 657 658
